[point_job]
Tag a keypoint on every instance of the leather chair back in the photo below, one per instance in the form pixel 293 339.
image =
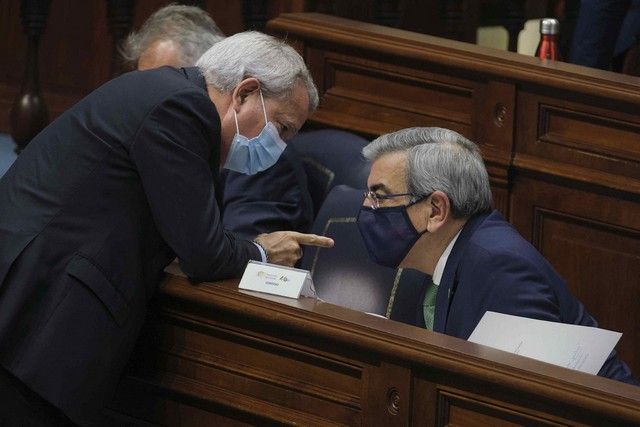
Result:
pixel 331 157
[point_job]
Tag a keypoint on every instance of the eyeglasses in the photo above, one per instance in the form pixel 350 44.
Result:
pixel 375 198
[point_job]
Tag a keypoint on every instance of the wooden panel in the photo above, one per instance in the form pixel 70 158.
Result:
pixel 457 408
pixel 182 405
pixel 381 97
pixel 453 399
pixel 298 383
pixel 493 128
pixel 451 56
pixel 593 240
pixel 213 354
pixel 602 145
pixel 594 252
pixel 500 199
pixel 388 396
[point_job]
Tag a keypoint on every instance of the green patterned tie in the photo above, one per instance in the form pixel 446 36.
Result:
pixel 429 305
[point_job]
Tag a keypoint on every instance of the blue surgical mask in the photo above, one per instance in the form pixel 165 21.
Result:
pixel 250 156
pixel 388 233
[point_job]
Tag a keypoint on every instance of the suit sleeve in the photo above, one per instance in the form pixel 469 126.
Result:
pixel 172 152
pixel 518 288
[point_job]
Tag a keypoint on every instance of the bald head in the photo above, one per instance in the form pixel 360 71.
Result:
pixel 159 53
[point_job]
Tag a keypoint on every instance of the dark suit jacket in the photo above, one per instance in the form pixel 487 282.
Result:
pixel 493 268
pixel 604 29
pixel 90 213
pixel 272 200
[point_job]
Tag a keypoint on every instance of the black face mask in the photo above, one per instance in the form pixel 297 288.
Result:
pixel 388 233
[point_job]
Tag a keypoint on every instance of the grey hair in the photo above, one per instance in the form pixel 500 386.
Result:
pixel 189 27
pixel 276 65
pixel 440 159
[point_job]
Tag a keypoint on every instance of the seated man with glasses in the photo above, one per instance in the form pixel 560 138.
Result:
pixel 429 208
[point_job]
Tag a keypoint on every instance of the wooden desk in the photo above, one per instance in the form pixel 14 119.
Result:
pixel 562 145
pixel 213 355
pixel 561 142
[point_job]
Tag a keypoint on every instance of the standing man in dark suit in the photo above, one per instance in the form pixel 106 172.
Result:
pixel 105 196
pixel 270 200
pixel 429 208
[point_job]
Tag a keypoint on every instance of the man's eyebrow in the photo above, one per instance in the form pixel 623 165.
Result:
pixel 379 186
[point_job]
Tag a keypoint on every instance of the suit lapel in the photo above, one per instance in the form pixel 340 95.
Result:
pixel 409 295
pixel 448 284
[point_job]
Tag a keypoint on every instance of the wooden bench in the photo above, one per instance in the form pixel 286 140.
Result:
pixel 213 355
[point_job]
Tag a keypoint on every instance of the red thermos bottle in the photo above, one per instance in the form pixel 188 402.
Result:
pixel 548 47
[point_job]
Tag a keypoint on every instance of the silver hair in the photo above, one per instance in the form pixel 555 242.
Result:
pixel 189 27
pixel 276 65
pixel 440 159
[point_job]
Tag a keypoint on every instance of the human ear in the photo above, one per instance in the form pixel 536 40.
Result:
pixel 244 89
pixel 439 210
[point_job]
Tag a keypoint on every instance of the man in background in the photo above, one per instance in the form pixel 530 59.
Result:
pixel 174 35
pixel 271 200
pixel 429 208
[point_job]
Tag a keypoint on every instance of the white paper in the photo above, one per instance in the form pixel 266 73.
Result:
pixel 582 348
pixel 277 280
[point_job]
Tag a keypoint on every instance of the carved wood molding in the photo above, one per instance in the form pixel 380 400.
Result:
pixel 611 146
pixel 604 180
pixel 504 65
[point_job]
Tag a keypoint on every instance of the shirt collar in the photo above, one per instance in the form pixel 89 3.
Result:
pixel 442 261
pixel 195 75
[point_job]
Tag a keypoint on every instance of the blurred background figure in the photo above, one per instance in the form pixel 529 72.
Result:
pixel 606 32
pixel 175 35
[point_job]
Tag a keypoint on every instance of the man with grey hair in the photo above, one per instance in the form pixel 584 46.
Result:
pixel 109 193
pixel 175 35
pixel 271 200
pixel 429 208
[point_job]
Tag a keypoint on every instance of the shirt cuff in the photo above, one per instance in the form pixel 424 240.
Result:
pixel 263 253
